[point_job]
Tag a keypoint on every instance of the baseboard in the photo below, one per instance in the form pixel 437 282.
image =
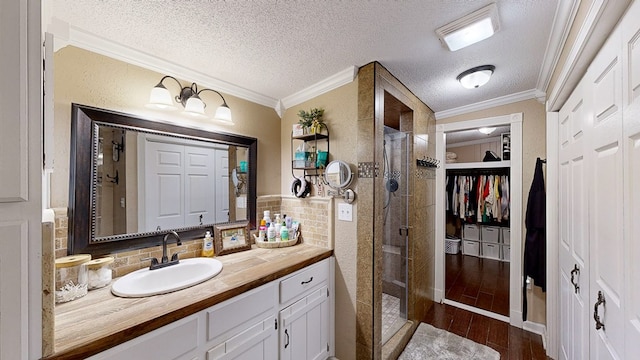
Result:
pixel 516 318
pixel 477 310
pixel 438 295
pixel 537 328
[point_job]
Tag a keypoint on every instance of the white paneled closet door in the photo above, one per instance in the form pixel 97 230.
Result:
pixel 631 138
pixel 599 156
pixel 605 149
pixel 574 235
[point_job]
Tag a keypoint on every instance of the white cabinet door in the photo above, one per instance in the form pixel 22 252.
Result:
pixel 573 248
pixel 258 342
pixel 304 332
pixel 222 186
pixel 631 138
pixel 604 82
pixel 176 341
pixel 606 185
pixel 199 175
pixel 163 186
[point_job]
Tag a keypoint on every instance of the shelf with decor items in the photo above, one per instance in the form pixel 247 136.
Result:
pixel 315 156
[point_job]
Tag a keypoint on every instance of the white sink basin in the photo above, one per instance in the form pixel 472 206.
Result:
pixel 145 282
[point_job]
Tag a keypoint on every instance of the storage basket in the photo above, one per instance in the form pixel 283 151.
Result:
pixel 452 246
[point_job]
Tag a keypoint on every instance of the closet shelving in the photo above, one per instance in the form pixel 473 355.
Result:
pixel 487 240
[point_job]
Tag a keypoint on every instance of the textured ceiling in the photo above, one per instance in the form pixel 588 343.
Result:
pixel 277 48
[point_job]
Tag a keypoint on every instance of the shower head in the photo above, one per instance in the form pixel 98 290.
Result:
pixel 392 185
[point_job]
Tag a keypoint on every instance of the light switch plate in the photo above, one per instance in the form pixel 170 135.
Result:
pixel 345 212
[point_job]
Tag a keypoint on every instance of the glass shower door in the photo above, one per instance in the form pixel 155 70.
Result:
pixel 395 241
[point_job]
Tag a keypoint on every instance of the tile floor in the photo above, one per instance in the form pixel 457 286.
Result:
pixel 512 343
pixel 390 311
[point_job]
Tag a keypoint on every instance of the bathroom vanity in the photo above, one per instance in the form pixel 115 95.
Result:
pixel 265 304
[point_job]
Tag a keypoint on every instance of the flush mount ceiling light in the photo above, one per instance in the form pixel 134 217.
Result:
pixel 189 97
pixel 476 77
pixel 487 130
pixel 470 29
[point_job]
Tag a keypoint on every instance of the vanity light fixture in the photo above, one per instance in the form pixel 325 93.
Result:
pixel 476 77
pixel 470 29
pixel 487 130
pixel 189 97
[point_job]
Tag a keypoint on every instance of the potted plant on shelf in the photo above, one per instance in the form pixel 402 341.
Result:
pixel 311 120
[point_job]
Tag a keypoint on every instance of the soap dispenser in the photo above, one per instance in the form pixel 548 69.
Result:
pixel 207 245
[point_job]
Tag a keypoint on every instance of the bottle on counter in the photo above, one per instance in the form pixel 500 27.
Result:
pixel 278 223
pixel 267 218
pixel 284 233
pixel 207 245
pixel 287 221
pixel 262 230
pixel 271 232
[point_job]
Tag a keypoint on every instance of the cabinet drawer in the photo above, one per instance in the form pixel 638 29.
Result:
pixel 471 232
pixel 506 235
pixel 505 254
pixel 303 280
pixel 490 234
pixel 471 248
pixel 491 251
pixel 225 319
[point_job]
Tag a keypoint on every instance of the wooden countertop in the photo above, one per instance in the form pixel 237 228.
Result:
pixel 100 320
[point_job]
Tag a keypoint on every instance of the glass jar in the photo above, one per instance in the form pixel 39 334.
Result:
pixel 99 273
pixel 71 277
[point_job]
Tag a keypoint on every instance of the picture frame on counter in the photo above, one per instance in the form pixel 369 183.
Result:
pixel 231 237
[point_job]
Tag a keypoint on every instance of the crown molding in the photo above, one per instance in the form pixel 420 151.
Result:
pixel 565 15
pixel 599 21
pixel 66 34
pixel 488 104
pixel 332 82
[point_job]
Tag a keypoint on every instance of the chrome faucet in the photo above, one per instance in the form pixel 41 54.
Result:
pixel 164 262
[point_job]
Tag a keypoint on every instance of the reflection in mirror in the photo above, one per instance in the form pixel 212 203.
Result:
pixel 148 178
pixel 147 182
pixel 338 174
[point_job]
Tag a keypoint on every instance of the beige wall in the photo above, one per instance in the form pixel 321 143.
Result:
pixel 340 115
pixel 533 146
pixel 91 79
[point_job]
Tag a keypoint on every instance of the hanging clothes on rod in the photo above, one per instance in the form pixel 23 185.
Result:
pixel 478 195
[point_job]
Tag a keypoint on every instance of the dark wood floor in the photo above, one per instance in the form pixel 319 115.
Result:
pixel 482 283
pixel 512 343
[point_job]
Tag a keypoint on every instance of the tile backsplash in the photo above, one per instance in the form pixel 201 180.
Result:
pixel 314 214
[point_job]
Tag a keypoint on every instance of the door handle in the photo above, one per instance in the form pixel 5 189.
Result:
pixel 286 333
pixel 596 317
pixel 575 272
pixel 306 282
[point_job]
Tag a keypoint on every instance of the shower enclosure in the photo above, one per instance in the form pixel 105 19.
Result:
pixel 395 230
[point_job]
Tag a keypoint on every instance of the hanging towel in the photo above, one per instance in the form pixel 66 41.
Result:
pixel 535 247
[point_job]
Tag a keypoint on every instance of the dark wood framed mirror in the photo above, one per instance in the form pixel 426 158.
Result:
pixel 133 179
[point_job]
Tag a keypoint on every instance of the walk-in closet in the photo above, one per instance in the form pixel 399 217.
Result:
pixel 477 216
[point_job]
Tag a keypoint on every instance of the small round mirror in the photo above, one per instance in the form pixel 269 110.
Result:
pixel 338 174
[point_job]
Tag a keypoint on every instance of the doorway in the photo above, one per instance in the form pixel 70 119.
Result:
pixel 472 289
